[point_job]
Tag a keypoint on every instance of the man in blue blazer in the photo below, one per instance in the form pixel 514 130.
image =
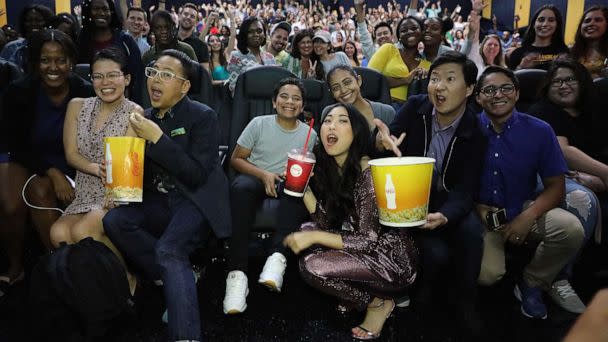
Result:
pixel 185 192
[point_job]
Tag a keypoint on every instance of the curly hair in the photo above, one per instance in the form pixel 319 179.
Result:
pixel 334 186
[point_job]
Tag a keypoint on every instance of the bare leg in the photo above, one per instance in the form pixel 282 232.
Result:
pixel 377 313
pixel 61 231
pixel 40 192
pixel 13 215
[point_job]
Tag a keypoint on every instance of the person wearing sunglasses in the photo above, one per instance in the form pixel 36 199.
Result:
pixel 185 192
pixel 520 148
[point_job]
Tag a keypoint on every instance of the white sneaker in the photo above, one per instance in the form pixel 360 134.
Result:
pixel 564 295
pixel 272 274
pixel 235 300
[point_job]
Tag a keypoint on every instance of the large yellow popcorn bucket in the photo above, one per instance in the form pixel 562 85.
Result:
pixel 402 186
pixel 124 159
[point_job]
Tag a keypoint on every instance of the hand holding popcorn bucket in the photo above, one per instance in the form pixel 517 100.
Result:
pixel 124 160
pixel 402 186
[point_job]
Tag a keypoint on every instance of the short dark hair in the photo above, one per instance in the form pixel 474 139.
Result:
pixel 494 69
pixel 469 69
pixel 382 24
pixel 113 54
pixel 39 38
pixel 137 9
pixel 44 11
pixel 186 62
pixel 283 25
pixel 289 81
pixel 65 18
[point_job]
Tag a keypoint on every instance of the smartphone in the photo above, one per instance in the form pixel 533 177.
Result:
pixel 496 218
pixel 457 9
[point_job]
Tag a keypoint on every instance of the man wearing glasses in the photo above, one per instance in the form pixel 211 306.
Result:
pixel 520 147
pixel 185 192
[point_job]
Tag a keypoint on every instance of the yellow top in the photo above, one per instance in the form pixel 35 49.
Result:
pixel 387 60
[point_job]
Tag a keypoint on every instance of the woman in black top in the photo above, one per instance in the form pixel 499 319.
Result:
pixel 543 41
pixel 31 142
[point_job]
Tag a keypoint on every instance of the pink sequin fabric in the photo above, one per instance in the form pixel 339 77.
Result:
pixel 376 261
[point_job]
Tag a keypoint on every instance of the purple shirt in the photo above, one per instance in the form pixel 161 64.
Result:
pixel 526 147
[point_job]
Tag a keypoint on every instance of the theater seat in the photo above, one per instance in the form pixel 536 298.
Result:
pixel 601 86
pixel 529 83
pixel 317 98
pixel 374 85
pixel 253 97
pixel 83 70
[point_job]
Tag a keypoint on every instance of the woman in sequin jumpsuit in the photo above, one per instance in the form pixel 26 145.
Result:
pixel 345 251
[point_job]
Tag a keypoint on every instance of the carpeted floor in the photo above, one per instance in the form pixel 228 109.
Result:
pixel 300 313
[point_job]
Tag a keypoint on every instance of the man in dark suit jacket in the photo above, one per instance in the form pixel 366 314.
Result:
pixel 185 192
pixel 441 126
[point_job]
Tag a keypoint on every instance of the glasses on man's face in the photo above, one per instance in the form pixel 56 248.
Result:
pixel 111 76
pixel 163 75
pixel 505 89
pixel 558 82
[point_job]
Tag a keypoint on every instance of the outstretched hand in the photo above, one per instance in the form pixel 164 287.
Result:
pixel 386 140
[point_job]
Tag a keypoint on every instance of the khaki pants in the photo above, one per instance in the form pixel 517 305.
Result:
pixel 562 235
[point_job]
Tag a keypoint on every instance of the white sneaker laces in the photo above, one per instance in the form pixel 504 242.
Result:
pixel 565 290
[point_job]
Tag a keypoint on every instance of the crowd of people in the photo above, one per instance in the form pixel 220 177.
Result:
pixel 501 176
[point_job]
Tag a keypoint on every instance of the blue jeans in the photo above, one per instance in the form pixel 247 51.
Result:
pixel 157 237
pixel 582 203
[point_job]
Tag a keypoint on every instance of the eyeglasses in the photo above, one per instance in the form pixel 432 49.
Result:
pixel 558 82
pixel 163 75
pixel 111 76
pixel 505 89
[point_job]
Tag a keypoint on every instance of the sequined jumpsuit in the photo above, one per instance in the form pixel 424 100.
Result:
pixel 376 261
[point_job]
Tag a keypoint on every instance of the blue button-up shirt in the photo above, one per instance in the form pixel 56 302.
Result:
pixel 526 147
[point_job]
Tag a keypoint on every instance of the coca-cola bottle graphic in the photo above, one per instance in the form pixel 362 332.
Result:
pixel 109 179
pixel 389 190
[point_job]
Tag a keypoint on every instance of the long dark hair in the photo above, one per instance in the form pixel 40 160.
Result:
pixel 581 45
pixel 355 56
pixel 295 51
pixel 335 189
pixel 222 52
pixel 558 36
pixel 586 91
pixel 241 37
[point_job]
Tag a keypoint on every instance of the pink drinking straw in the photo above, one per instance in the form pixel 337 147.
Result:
pixel 312 122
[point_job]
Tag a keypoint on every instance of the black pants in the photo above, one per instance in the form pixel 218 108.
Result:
pixel 247 194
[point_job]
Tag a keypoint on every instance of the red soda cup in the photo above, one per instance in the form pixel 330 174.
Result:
pixel 299 167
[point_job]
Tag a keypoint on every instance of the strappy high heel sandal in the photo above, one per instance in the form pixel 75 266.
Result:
pixel 372 335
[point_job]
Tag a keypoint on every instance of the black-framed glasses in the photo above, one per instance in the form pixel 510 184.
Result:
pixel 558 82
pixel 505 89
pixel 163 75
pixel 111 76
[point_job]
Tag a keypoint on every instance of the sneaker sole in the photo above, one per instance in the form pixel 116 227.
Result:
pixel 517 294
pixel 270 284
pixel 237 311
pixel 403 304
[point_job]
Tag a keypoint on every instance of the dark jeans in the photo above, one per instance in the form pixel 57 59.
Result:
pixel 457 247
pixel 157 237
pixel 246 195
